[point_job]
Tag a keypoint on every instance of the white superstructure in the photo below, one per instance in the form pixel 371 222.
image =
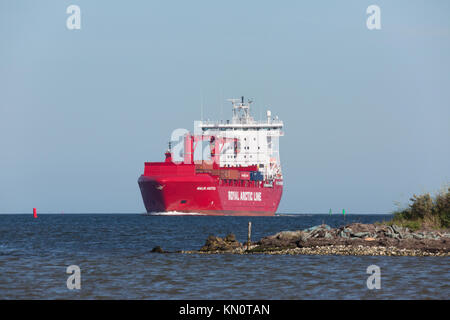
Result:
pixel 257 141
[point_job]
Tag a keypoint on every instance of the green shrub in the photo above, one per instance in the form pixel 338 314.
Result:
pixel 424 211
pixel 413 224
pixel 422 206
pixel 442 208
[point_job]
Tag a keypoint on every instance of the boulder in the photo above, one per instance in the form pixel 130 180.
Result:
pixel 396 228
pixel 230 238
pixel 360 234
pixel 214 243
pixel 343 234
pixel 284 239
pixel 157 249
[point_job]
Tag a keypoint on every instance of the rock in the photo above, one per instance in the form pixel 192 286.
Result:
pixel 318 233
pixel 287 235
pixel 391 234
pixel 311 229
pixel 353 239
pixel 343 234
pixel 396 229
pixel 360 234
pixel 319 227
pixel 230 238
pixel 158 249
pixel 214 243
pixel 284 239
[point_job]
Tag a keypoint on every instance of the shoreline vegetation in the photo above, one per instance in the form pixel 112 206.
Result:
pixel 425 212
pixel 422 229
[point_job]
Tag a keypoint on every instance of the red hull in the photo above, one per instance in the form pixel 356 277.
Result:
pixel 188 192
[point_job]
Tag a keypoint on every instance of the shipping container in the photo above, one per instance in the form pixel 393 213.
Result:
pixel 234 174
pixel 256 176
pixel 203 165
pixel 223 174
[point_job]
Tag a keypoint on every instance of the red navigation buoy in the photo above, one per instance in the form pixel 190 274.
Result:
pixel 34 213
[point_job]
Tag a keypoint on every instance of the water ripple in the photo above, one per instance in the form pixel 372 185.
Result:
pixel 113 252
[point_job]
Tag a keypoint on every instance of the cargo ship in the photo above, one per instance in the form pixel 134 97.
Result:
pixel 238 173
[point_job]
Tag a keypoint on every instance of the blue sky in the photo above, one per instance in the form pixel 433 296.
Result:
pixel 366 112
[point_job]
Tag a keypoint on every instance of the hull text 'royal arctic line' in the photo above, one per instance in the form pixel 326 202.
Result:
pixel 241 175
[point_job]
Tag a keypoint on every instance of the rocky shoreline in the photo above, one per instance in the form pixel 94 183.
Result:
pixel 353 239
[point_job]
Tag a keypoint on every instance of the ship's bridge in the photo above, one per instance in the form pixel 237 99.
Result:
pixel 257 141
pixel 254 125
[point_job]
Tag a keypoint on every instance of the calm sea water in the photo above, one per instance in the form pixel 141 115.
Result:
pixel 113 253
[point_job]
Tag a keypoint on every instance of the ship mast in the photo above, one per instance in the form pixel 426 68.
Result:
pixel 241 110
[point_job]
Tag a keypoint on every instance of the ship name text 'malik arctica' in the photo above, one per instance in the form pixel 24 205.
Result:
pixel 225 168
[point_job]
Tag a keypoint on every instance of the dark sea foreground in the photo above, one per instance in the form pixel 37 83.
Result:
pixel 113 253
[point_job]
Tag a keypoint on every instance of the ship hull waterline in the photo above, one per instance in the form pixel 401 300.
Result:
pixel 202 194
